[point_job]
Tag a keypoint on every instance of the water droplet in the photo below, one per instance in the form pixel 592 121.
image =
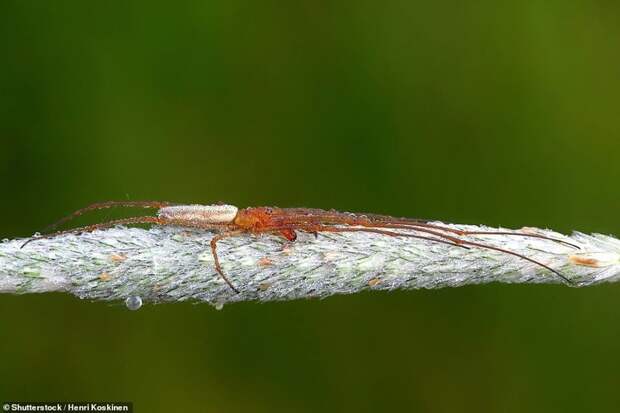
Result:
pixel 219 305
pixel 133 302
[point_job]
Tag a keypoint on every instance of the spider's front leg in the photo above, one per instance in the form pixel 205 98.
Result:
pixel 288 233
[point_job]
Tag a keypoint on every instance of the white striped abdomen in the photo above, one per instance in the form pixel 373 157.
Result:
pixel 208 214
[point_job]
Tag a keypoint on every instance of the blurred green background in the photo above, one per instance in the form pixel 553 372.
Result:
pixel 503 113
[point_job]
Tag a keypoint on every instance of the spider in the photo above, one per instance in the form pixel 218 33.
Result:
pixel 229 221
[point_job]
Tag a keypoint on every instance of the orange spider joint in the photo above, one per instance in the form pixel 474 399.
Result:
pixel 300 254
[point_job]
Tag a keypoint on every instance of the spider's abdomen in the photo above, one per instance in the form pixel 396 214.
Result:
pixel 207 214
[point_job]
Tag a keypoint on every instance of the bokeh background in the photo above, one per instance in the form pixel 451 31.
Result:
pixel 503 113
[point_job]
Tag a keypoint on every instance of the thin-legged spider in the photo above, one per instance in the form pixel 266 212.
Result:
pixel 229 221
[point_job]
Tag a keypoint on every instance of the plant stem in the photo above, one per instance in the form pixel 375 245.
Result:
pixel 165 264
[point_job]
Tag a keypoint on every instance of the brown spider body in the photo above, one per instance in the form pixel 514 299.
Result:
pixel 228 221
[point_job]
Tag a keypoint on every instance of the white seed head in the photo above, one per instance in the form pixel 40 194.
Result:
pixel 207 214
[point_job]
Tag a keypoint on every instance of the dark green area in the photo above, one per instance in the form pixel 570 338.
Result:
pixel 504 113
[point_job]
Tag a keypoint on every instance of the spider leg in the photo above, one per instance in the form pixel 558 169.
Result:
pixel 218 267
pixel 521 234
pixel 329 218
pixel 288 233
pixel 316 228
pixel 407 224
pixel 480 245
pixel 91 228
pixel 516 254
pixel 105 205
pixel 318 216
pixel 455 241
pixel 281 230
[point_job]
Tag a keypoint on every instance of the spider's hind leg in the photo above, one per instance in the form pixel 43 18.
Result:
pixel 106 205
pixel 91 228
